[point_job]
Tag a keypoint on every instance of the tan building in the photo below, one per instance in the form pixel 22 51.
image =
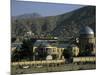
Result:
pixel 51 51
pixel 75 50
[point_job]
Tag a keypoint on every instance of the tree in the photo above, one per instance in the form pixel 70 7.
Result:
pixel 27 48
pixel 67 53
pixel 85 53
pixel 16 55
pixel 25 51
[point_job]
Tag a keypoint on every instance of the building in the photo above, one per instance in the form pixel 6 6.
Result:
pixel 75 50
pixel 87 41
pixel 44 51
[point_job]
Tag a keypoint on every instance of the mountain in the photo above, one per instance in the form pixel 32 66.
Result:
pixel 71 23
pixel 27 16
pixel 65 25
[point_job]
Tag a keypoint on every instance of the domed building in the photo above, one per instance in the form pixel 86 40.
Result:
pixel 87 40
pixel 86 32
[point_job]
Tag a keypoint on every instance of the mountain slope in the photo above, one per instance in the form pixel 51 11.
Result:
pixel 70 26
pixel 27 16
pixel 64 25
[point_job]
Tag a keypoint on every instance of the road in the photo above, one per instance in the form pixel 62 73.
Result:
pixel 66 67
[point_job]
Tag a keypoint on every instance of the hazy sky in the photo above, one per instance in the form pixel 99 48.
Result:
pixel 44 9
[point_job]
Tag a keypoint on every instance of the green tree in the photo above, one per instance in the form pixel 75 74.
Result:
pixel 25 52
pixel 27 49
pixel 68 54
pixel 85 53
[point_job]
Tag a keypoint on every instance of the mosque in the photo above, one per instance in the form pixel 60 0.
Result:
pixel 85 47
pixel 84 50
pixel 87 40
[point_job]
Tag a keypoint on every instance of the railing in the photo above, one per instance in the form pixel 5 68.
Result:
pixel 84 59
pixel 39 62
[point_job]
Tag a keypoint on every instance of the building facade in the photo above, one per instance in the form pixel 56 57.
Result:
pixel 48 52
